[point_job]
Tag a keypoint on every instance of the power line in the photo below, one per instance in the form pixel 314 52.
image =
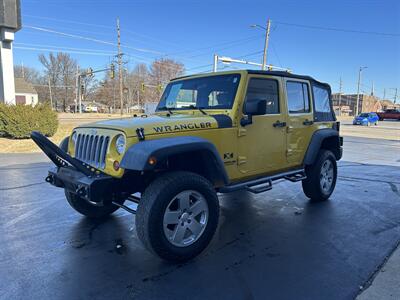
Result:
pixel 68 21
pixel 64 48
pixel 338 29
pixel 66 51
pixel 89 39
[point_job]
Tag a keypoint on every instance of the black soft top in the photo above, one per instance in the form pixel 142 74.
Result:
pixel 274 73
pixel 287 74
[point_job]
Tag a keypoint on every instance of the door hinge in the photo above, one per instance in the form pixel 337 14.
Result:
pixel 242 132
pixel 242 160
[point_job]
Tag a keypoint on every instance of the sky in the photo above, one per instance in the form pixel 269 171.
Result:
pixel 328 40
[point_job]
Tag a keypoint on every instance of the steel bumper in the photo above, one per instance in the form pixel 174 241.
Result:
pixel 72 174
pixel 92 188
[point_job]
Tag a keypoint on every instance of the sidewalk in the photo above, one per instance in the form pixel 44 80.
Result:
pixel 386 285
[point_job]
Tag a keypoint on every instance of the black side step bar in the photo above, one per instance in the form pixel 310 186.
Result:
pixel 263 184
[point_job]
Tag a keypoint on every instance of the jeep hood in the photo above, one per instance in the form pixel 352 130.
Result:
pixel 157 124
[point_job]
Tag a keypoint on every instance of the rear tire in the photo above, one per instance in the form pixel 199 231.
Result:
pixel 321 177
pixel 90 209
pixel 177 215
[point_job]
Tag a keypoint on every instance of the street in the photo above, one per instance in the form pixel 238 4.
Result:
pixel 274 245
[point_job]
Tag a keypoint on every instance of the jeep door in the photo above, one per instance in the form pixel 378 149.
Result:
pixel 299 119
pixel 262 144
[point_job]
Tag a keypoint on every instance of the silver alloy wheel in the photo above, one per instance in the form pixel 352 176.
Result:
pixel 185 218
pixel 326 176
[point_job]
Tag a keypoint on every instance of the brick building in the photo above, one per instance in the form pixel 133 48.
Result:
pixel 367 103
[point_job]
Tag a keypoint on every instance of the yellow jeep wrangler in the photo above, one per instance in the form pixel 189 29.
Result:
pixel 211 133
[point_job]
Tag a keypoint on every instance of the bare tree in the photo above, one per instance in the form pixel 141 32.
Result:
pixel 60 69
pixel 135 80
pixel 162 71
pixel 31 75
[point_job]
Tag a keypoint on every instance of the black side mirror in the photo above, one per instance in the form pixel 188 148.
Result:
pixel 253 108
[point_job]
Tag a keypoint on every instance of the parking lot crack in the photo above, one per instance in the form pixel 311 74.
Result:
pixel 21 186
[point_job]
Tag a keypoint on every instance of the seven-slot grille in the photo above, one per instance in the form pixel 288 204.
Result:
pixel 92 149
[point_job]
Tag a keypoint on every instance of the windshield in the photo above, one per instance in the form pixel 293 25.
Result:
pixel 212 92
pixel 363 115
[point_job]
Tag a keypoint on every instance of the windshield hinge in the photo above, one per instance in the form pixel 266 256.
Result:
pixel 140 134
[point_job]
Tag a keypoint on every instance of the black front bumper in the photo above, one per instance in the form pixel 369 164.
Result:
pixel 92 188
pixel 72 174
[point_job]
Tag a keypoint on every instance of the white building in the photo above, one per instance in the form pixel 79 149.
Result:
pixel 25 93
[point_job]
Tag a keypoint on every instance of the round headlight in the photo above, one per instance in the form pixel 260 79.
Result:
pixel 74 137
pixel 120 144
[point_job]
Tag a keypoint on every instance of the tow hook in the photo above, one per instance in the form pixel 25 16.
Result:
pixel 50 179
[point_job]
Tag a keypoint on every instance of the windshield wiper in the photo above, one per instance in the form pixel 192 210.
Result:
pixel 199 108
pixel 166 108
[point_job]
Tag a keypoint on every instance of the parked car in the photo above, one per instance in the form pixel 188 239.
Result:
pixel 210 133
pixel 389 114
pixel 366 119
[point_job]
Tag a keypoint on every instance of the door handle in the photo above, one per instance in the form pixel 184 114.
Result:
pixel 307 122
pixel 279 124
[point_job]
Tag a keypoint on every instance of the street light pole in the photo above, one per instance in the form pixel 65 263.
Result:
pixel 358 89
pixel 215 63
pixel 267 30
pixel 264 63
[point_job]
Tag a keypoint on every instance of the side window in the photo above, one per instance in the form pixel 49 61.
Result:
pixel 321 100
pixel 298 99
pixel 264 89
pixel 322 104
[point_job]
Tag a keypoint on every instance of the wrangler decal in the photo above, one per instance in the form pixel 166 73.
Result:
pixel 179 127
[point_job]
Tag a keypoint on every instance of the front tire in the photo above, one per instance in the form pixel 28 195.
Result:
pixel 90 209
pixel 177 215
pixel 321 177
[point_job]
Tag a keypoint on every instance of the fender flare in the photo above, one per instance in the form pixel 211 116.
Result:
pixel 137 156
pixel 316 142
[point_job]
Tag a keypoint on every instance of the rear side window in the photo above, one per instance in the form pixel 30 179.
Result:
pixel 321 99
pixel 298 99
pixel 322 104
pixel 264 89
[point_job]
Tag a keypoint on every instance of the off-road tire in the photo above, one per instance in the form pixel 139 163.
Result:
pixel 153 204
pixel 89 209
pixel 312 186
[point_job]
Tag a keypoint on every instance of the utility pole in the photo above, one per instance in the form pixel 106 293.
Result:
pixel 23 69
pixel 358 89
pixel 215 63
pixel 340 96
pixel 51 97
pixel 120 67
pixel 395 96
pixel 384 93
pixel 77 89
pixel 373 89
pixel 264 63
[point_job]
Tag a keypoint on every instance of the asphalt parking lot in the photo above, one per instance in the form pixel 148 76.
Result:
pixel 274 245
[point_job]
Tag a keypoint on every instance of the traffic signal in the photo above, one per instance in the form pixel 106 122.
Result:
pixel 89 72
pixel 159 87
pixel 142 86
pixel 82 89
pixel 112 71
